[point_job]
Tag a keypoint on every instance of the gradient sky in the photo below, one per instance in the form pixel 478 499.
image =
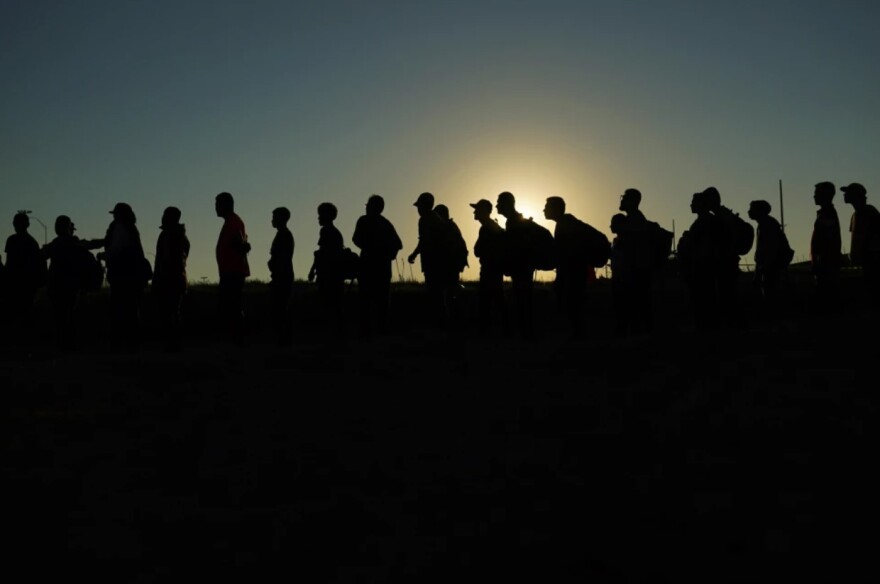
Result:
pixel 161 103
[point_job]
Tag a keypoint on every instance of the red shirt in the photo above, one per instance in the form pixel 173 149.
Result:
pixel 231 254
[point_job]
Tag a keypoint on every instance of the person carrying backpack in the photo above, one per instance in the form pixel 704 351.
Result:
pixel 432 231
pixel 519 264
pixel 455 259
pixel 490 248
pixel 648 247
pixel 379 243
pixel 736 239
pixel 574 266
pixel 773 254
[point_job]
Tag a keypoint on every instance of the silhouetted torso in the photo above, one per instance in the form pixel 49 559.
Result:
pixel 379 245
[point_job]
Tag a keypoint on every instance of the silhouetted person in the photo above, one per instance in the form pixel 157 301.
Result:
pixel 327 272
pixel 772 256
pixel 455 254
pixel 640 263
pixel 66 277
pixel 128 273
pixel 281 274
pixel 169 276
pixel 379 243
pixel 233 267
pixel 435 268
pixel 490 249
pixel 622 279
pixel 826 258
pixel 573 269
pixel 522 273
pixel 728 271
pixel 701 250
pixel 25 274
pixel 864 249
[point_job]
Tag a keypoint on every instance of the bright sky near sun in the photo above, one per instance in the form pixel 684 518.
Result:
pixel 160 103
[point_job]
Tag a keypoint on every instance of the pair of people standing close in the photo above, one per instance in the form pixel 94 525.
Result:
pixel 443 253
pixel 379 245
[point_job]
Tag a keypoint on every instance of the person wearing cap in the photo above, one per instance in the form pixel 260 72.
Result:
pixel 430 250
pixel 379 243
pixel 522 273
pixel 25 274
pixel 864 227
pixel 232 265
pixel 169 277
pixel 128 273
pixel 826 259
pixel 490 249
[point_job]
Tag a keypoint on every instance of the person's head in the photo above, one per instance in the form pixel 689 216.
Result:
pixel 506 203
pixel 482 209
pixel 170 217
pixel 554 208
pixel 375 205
pixel 854 194
pixel 711 198
pixel 442 211
pixel 63 226
pixel 823 193
pixel 630 200
pixel 618 223
pixel 123 213
pixel 21 222
pixel 280 217
pixel 424 203
pixel 326 213
pixel 698 203
pixel 759 209
pixel 224 204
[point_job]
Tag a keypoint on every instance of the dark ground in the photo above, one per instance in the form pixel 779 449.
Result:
pixel 424 457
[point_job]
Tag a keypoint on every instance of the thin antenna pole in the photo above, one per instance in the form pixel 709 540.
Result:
pixel 781 208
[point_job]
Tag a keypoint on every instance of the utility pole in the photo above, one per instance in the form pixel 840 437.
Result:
pixel 781 208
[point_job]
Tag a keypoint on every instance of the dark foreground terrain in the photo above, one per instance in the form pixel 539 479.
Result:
pixel 429 457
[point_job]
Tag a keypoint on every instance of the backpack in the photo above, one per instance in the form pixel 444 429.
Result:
pixel 661 243
pixel 741 231
pixel 455 247
pixel 349 264
pixel 596 245
pixel 90 270
pixel 540 246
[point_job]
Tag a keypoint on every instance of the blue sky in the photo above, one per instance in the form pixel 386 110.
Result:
pixel 294 103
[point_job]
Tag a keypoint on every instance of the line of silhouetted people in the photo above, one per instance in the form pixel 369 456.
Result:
pixel 707 257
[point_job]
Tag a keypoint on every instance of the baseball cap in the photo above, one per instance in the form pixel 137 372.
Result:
pixel 482 204
pixel 424 199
